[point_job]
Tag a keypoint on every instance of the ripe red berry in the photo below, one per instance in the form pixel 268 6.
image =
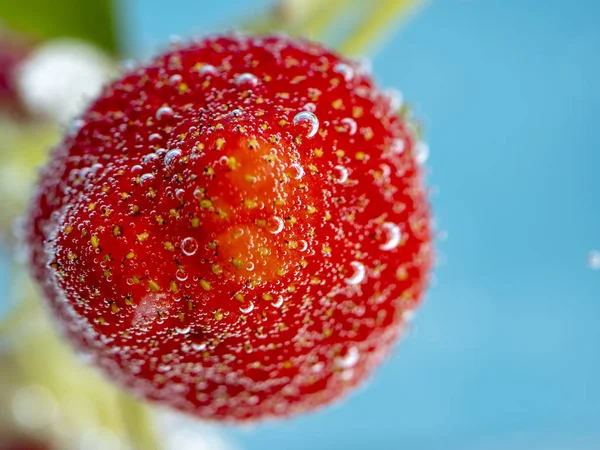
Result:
pixel 237 229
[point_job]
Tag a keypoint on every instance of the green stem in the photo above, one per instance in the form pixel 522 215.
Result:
pixel 382 16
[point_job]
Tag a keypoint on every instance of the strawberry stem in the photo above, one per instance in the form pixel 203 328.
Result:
pixel 382 16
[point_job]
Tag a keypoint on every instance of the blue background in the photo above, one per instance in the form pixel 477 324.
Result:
pixel 505 352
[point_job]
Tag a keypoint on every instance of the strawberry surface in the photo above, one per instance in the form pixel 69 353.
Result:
pixel 237 229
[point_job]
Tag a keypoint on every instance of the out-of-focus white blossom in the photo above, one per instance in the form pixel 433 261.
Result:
pixel 61 77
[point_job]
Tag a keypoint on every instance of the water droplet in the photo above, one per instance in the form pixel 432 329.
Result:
pixel 149 158
pixel 279 302
pixel 250 266
pixel 247 309
pixel 350 125
pixel 359 273
pixel 96 168
pixel 393 236
pixel 175 79
pixel 172 156
pixel 302 245
pixel 318 367
pixel 164 111
pixel 308 119
pixel 136 168
pixel 184 330
pixel 179 193
pixel 421 152
pixel 199 346
pixel 236 113
pixel 181 275
pixel 345 70
pixel 398 146
pixel 349 360
pixel 246 79
pixel 275 225
pixel 207 69
pixel 299 171
pixel 594 260
pixel 342 174
pixel 310 107
pixel 385 170
pixel 189 246
pixel 146 178
pixel 154 137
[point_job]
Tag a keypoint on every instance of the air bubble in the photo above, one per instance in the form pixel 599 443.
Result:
pixel 175 79
pixel 299 171
pixel 421 152
pixel 207 69
pixel 275 225
pixel 359 273
pixel 149 158
pixel 398 146
pixel 342 174
pixel 594 260
pixel 172 156
pixel 310 107
pixel 179 193
pixel 349 360
pixel 308 118
pixel 393 236
pixel 199 346
pixel 350 124
pixel 146 178
pixel 189 246
pixel 154 137
pixel 184 330
pixel 246 79
pixel 181 275
pixel 279 302
pixel 303 245
pixel 164 111
pixel 345 70
pixel 247 309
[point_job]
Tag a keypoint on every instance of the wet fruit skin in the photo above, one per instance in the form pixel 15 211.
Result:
pixel 238 229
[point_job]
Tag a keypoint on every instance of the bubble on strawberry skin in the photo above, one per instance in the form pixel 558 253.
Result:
pixel 308 120
pixel 358 275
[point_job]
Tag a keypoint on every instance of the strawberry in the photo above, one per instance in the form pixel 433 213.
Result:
pixel 238 229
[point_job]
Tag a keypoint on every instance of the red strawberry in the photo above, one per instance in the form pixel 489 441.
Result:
pixel 238 229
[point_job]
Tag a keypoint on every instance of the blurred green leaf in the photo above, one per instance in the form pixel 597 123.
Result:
pixel 90 20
